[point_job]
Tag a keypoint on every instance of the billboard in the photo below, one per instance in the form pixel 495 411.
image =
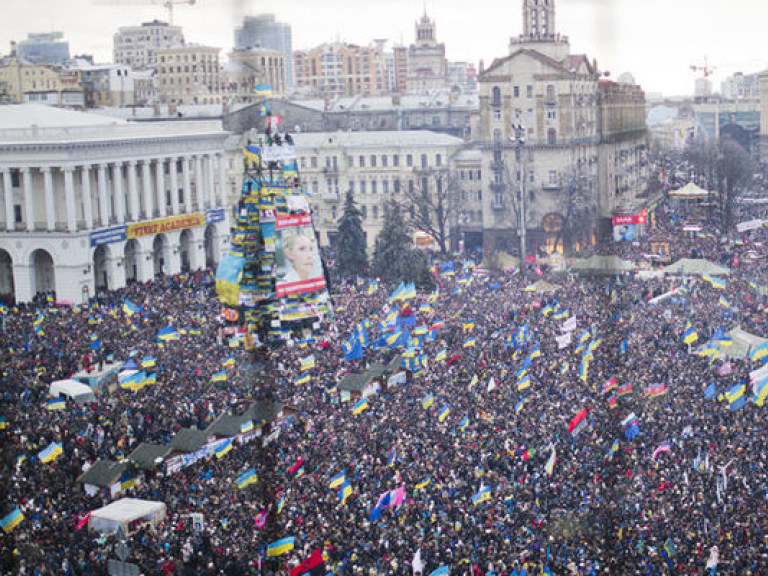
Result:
pixel 625 233
pixel 299 269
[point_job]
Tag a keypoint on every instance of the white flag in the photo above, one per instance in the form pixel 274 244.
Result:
pixel 563 341
pixel 714 558
pixel 417 564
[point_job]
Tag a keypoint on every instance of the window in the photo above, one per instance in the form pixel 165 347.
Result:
pixel 385 187
pixel 333 212
pixel 375 212
pixel 497 114
pixel 352 186
pixel 384 160
pixel 362 186
pixel 550 93
pixel 552 177
pixel 409 160
pixel 496 97
pixel 424 162
pixel 364 211
pixel 531 175
pixel 396 186
pixel 435 120
pixel 479 195
pixel 410 186
pixel 470 173
pixel 302 161
pixel 373 186
pixel 15 178
pixel 497 156
pixel 181 195
pixel 425 186
pixel 373 160
pixel 17 213
pixel 438 160
pixel 551 113
pixel 313 162
pixel 361 161
pixel 551 136
pixel 395 160
pixel 529 91
pixel 351 161
pixel 314 187
pixel 516 91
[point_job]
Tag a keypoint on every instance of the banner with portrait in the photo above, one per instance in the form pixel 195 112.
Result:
pixel 299 269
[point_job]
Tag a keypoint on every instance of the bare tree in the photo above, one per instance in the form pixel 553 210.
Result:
pixel 432 205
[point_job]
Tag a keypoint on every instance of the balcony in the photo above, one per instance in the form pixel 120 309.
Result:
pixel 331 170
pixel 330 196
pixel 498 204
pixel 551 186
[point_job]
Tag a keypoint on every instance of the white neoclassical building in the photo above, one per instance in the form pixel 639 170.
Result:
pixel 92 202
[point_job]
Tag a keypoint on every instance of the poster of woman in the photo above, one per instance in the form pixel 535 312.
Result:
pixel 299 269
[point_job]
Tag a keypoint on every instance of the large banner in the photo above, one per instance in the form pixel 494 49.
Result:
pixel 299 269
pixel 625 233
pixel 180 222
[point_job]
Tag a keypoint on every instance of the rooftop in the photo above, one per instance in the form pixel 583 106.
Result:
pixel 409 138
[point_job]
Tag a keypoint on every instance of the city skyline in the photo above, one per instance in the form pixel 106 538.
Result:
pixel 622 35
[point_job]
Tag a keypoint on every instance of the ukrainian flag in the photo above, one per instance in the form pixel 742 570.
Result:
pixel 360 406
pixel 427 401
pixel 759 352
pixel 302 378
pixel 337 480
pixel 167 334
pixel 246 427
pixel 148 361
pixel 280 547
pixel 689 335
pixel 129 307
pixel 10 521
pixel 263 89
pixel 56 404
pixel 469 342
pixel 444 413
pixel 467 326
pixel 718 283
pixel 524 383
pixel 442 355
pixel 464 423
pixel 222 449
pixel 442 571
pixel 583 371
pixel 424 482
pixel 345 491
pixel 307 363
pixel 534 353
pixel 229 361
pixel 482 496
pixel 246 478
pixel 723 301
pixel 219 376
pixel 50 453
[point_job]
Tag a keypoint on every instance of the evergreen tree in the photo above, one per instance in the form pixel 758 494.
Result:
pixel 350 242
pixel 394 257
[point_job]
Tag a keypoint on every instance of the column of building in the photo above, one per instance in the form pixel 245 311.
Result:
pixel 10 217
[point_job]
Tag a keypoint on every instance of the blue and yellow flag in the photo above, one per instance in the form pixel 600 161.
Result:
pixel 360 406
pixel 282 546
pixel 425 482
pixel 11 520
pixel 219 376
pixel 246 478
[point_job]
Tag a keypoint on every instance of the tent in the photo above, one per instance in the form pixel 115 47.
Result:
pixel 695 266
pixel 126 512
pixel 742 343
pixel 688 192
pixel 501 261
pixel 77 391
pixel 602 265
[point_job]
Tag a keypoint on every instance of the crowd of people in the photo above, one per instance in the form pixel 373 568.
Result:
pixel 497 476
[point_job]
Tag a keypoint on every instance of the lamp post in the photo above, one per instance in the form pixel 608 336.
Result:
pixel 519 141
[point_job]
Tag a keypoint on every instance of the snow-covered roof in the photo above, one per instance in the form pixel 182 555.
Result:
pixel 24 116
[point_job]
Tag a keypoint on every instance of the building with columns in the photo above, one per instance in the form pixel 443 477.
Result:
pixel 93 202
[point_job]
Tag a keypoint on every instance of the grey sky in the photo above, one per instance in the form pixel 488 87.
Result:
pixel 655 40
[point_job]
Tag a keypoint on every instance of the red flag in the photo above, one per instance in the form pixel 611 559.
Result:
pixel 577 420
pixel 260 519
pixel 296 466
pixel 315 559
pixel 83 521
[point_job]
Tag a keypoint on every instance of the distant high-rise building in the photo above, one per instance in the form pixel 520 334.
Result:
pixel 137 46
pixel 45 48
pixel 339 69
pixel 740 86
pixel 401 68
pixel 427 66
pixel 189 74
pixel 702 88
pixel 263 31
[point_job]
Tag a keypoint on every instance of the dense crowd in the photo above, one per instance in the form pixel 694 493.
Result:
pixel 603 504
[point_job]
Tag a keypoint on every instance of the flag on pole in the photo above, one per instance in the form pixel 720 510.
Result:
pixel 280 547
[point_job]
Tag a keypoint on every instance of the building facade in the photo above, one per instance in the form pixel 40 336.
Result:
pixel 375 166
pixel 427 65
pixel 249 67
pixel 91 202
pixel 23 81
pixel 137 46
pixel 264 32
pixel 538 127
pixel 338 69
pixel 44 48
pixel 188 74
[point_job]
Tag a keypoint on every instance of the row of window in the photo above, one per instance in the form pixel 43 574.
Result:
pixel 371 161
pixel 188 57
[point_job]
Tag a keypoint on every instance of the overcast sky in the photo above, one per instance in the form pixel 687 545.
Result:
pixel 655 40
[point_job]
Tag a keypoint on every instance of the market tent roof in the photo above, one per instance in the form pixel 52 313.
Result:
pixel 502 261
pixel 189 439
pixel 696 266
pixel 542 286
pixel 263 411
pixel 353 382
pixel 124 511
pixel 690 190
pixel 598 264
pixel 742 342
pixel 146 455
pixel 227 425
pixel 103 473
pixel 72 389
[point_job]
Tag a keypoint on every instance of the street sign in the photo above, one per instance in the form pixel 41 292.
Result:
pixel 116 568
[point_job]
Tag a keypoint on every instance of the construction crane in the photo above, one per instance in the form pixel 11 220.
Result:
pixel 706 70
pixel 171 3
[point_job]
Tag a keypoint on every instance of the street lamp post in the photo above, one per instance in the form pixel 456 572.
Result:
pixel 519 141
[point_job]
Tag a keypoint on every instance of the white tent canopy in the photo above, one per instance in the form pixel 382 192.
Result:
pixel 695 266
pixel 123 513
pixel 73 389
pixel 742 343
pixel 690 190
